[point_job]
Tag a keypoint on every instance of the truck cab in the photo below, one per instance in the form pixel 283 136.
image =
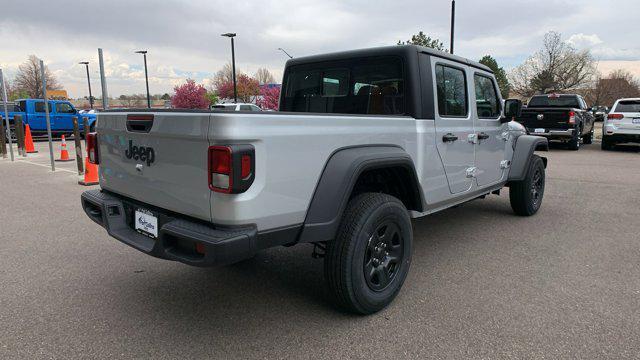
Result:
pixel 61 113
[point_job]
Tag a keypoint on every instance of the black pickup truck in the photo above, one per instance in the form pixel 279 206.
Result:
pixel 563 117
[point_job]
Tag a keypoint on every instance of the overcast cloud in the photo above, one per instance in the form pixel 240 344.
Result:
pixel 183 37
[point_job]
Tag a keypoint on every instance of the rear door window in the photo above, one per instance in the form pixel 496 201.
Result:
pixel 39 107
pixel 64 108
pixel 487 103
pixel 630 106
pixel 452 92
pixel 353 86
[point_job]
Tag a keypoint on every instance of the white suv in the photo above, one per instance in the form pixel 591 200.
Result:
pixel 622 124
pixel 236 107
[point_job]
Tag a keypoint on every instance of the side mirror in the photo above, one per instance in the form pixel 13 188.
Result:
pixel 512 110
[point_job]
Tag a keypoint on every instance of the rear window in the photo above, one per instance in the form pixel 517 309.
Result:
pixel 563 101
pixel 224 107
pixel 354 86
pixel 628 106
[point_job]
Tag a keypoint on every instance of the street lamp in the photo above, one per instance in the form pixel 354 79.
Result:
pixel 146 75
pixel 285 51
pixel 233 65
pixel 86 64
pixel 453 22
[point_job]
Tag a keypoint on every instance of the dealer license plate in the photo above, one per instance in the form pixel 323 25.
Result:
pixel 146 223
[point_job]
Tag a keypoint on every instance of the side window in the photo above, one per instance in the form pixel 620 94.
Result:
pixel 64 108
pixel 255 108
pixel 245 108
pixel 487 103
pixel 452 92
pixel 39 106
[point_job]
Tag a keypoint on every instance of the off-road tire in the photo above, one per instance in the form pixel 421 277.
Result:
pixel 346 257
pixel 526 195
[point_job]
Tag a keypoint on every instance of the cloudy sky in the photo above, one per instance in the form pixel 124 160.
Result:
pixel 183 37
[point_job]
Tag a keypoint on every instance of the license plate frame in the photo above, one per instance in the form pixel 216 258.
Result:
pixel 146 223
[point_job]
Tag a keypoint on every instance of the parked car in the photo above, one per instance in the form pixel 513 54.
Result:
pixel 61 113
pixel 236 107
pixel 564 117
pixel 600 112
pixel 622 124
pixel 364 141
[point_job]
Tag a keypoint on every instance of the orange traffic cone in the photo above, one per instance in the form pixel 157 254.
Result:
pixel 90 173
pixel 28 141
pixel 64 154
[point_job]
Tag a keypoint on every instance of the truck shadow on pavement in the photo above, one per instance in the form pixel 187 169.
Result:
pixel 285 282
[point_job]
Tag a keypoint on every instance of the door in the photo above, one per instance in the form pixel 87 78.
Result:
pixel 455 135
pixel 37 120
pixel 64 113
pixel 490 149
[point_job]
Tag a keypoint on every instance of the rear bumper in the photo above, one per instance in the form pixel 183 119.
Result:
pixel 177 236
pixel 622 138
pixel 554 133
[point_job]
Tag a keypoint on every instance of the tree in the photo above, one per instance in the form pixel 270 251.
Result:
pixel 248 88
pixel 132 101
pixel 165 96
pixel 212 96
pixel 224 75
pixel 501 75
pixel 190 96
pixel 557 67
pixel 28 78
pixel 618 84
pixel 269 98
pixel 264 76
pixel 424 40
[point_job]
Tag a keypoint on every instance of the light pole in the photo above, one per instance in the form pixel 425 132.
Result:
pixel 285 51
pixel 453 21
pixel 233 65
pixel 146 75
pixel 86 64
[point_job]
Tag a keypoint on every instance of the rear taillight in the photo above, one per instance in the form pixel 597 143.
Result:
pixel 231 168
pixel 92 148
pixel 572 117
pixel 615 116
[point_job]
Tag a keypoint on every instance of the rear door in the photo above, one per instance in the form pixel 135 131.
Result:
pixel 491 143
pixel 454 124
pixel 159 159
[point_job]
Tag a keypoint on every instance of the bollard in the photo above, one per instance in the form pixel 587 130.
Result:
pixel 85 127
pixel 20 134
pixel 3 140
pixel 76 138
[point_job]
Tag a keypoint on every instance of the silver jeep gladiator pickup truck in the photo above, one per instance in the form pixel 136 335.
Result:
pixel 364 141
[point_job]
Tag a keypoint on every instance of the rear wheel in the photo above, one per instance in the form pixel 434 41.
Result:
pixel 588 139
pixel 574 143
pixel 367 263
pixel 606 143
pixel 526 195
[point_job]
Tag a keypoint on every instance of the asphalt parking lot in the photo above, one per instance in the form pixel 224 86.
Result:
pixel 483 283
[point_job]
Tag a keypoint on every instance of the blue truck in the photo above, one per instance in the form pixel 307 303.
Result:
pixel 61 113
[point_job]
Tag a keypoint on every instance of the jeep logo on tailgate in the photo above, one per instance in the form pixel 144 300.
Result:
pixel 140 153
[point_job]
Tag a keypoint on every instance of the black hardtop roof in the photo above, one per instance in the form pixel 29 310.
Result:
pixel 386 50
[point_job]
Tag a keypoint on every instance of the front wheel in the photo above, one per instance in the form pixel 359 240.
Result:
pixel 526 195
pixel 367 263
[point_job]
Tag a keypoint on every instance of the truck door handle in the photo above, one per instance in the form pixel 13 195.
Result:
pixel 449 138
pixel 483 136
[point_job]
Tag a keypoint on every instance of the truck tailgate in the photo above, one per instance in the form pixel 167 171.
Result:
pixel 551 118
pixel 162 162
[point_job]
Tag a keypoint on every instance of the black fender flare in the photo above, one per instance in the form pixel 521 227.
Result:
pixel 338 179
pixel 522 154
